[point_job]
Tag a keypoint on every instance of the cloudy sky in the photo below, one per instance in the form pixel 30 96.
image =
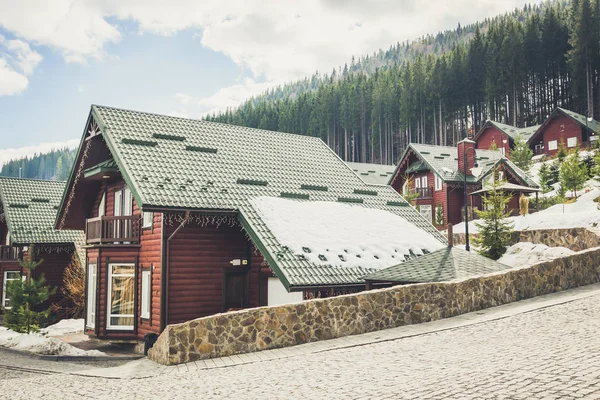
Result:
pixel 184 57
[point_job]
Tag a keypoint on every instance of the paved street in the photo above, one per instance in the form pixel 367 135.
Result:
pixel 548 353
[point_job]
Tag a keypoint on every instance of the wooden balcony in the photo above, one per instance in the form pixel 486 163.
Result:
pixel 113 230
pixel 424 193
pixel 9 253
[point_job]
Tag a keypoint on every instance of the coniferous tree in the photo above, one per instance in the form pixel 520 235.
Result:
pixel 494 230
pixel 573 174
pixel 521 154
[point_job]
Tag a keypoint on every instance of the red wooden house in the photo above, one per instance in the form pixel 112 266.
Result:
pixel 502 136
pixel 187 218
pixel 564 126
pixel 435 173
pixel 27 212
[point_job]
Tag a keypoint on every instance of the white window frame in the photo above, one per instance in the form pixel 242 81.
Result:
pixel 109 313
pixel 423 208
pixel 7 240
pixel 147 219
pixel 439 183
pixel 102 206
pixel 5 281
pixel 553 145
pixel 92 280
pixel 572 141
pixel 424 181
pixel 146 294
pixel 417 183
pixel 502 151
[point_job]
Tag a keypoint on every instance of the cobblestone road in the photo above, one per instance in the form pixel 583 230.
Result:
pixel 545 354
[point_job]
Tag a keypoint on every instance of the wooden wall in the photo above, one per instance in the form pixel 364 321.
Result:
pixel 560 127
pixel 490 135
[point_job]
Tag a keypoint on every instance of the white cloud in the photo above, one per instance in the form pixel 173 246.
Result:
pixel 226 97
pixel 11 154
pixel 17 61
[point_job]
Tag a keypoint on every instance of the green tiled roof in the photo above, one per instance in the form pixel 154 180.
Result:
pixel 242 164
pixel 447 264
pixel 443 160
pixel 378 174
pixel 102 167
pixel 593 124
pixel 513 132
pixel 30 207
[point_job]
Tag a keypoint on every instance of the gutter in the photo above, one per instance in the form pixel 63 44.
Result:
pixel 165 273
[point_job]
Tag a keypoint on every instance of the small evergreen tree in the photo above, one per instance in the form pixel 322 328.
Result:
pixel 562 152
pixel 26 299
pixel 493 146
pixel 439 215
pixel 494 232
pixel 595 170
pixel 521 155
pixel 573 173
pixel 546 178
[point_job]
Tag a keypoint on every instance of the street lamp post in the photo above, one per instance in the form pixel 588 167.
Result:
pixel 467 247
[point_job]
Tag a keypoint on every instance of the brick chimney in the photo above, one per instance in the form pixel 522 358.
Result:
pixel 463 146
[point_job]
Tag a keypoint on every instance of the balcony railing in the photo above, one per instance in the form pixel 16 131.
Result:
pixel 424 193
pixel 9 253
pixel 113 230
pixel 539 151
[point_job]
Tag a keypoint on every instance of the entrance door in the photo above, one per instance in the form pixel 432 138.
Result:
pixel 235 289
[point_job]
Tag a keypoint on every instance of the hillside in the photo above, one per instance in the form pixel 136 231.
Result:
pixel 54 165
pixel 515 69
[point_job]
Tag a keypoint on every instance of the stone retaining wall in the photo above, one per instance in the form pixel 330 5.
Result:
pixel 576 239
pixel 287 325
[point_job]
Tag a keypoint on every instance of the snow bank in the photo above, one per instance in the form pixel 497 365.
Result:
pixel 48 345
pixel 581 213
pixel 526 253
pixel 343 235
pixel 64 327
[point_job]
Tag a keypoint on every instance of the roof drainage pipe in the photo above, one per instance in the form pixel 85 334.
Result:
pixel 167 256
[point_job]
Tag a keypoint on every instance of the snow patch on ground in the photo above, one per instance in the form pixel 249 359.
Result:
pixel 46 341
pixel 526 253
pixel 363 237
pixel 64 327
pixel 581 213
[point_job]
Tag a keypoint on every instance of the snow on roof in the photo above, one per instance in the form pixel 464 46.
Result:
pixel 343 235
pixel 527 253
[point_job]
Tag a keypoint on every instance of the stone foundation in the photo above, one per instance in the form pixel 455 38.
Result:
pixel 576 239
pixel 287 325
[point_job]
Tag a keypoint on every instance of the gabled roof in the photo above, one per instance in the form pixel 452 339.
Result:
pixel 443 160
pixel 580 119
pixel 378 174
pixel 509 130
pixel 30 207
pixel 180 164
pixel 447 264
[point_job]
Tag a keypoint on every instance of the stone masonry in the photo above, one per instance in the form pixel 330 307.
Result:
pixel 287 325
pixel 576 239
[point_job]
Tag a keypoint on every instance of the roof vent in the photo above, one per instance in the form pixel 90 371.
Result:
pixel 445 154
pixel 149 143
pixel 366 192
pixel 294 195
pixel 438 157
pixel 397 203
pixel 168 137
pixel 372 172
pixel 314 187
pixel 349 200
pixel 17 205
pixel 199 149
pixel 253 182
pixel 40 200
pixel 424 152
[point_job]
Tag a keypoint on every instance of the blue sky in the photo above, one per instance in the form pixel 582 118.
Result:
pixel 184 57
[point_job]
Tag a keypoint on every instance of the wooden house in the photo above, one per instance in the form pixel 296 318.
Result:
pixel 377 174
pixel 564 126
pixel 502 136
pixel 28 209
pixel 435 174
pixel 187 218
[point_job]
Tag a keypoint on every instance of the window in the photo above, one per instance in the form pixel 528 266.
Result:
pixel 9 276
pixel 502 151
pixel 417 183
pixel 102 206
pixel 553 145
pixel 148 219
pixel 438 182
pixel 571 142
pixel 424 182
pixel 121 289
pixel 91 295
pixel 7 238
pixel 146 293
pixel 426 212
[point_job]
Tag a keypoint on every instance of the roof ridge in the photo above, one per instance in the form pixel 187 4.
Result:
pixel 16 178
